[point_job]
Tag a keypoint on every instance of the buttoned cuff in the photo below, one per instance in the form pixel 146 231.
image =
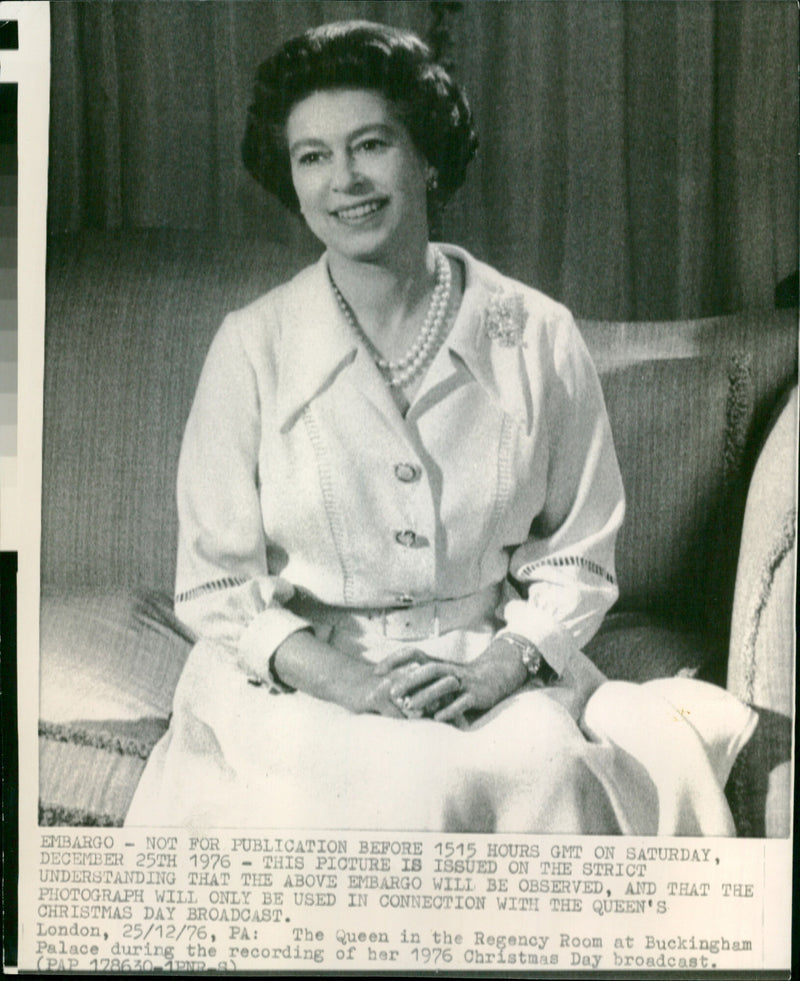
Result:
pixel 262 637
pixel 557 645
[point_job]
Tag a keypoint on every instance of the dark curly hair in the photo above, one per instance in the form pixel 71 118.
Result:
pixel 360 54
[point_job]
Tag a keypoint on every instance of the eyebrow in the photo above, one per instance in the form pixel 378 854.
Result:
pixel 312 141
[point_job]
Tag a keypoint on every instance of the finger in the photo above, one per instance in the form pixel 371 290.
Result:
pixel 433 693
pixel 460 722
pixel 417 678
pixel 398 658
pixel 392 711
pixel 402 704
pixel 457 707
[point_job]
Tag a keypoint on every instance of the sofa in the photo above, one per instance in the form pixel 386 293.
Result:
pixel 704 419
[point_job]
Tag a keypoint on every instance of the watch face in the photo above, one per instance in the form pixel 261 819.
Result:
pixel 530 655
pixel 532 660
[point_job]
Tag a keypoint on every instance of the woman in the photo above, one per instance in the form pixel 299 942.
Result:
pixel 398 500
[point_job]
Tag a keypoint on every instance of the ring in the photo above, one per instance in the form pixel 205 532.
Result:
pixel 459 683
pixel 403 702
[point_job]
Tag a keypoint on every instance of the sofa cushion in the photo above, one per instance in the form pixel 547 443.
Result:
pixel 130 317
pixel 89 770
pixel 108 655
pixel 109 665
pixel 687 401
pixel 639 647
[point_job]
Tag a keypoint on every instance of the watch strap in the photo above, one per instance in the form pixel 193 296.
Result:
pixel 531 657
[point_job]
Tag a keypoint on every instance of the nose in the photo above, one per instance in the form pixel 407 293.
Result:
pixel 346 176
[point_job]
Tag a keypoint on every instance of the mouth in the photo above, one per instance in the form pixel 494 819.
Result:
pixel 358 212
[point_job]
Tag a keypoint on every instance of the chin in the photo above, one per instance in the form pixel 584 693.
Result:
pixel 361 251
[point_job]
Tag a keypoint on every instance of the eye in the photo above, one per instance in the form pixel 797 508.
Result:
pixel 309 157
pixel 371 145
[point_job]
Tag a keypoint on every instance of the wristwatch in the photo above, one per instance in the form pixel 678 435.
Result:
pixel 531 657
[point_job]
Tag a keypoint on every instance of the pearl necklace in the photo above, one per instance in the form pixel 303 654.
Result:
pixel 406 369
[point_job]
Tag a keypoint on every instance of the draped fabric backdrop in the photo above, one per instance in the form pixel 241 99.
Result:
pixel 638 159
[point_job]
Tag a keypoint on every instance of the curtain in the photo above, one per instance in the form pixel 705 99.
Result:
pixel 638 158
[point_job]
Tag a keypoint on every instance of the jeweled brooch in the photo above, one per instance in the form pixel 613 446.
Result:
pixel 505 318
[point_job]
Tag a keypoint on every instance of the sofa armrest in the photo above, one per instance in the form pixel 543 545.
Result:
pixel 761 655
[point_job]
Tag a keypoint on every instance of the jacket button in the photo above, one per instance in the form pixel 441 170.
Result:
pixel 407 472
pixel 405 538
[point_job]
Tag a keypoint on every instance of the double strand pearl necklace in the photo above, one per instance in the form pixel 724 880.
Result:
pixel 406 369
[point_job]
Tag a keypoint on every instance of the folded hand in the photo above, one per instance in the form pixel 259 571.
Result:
pixel 421 686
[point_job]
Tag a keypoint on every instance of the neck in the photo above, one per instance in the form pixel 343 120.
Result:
pixel 385 295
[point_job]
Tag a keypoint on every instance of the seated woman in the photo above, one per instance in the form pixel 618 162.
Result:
pixel 398 500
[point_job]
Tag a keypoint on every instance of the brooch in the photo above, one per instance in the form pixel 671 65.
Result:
pixel 505 318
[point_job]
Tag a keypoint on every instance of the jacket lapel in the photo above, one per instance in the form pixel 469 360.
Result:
pixel 317 345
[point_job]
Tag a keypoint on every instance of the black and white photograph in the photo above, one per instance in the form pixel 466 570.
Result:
pixel 418 456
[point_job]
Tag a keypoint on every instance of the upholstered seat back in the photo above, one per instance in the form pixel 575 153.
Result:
pixel 130 317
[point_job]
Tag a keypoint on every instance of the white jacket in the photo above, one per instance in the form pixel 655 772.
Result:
pixel 287 478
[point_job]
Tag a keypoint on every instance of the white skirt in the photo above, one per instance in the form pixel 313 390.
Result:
pixel 584 756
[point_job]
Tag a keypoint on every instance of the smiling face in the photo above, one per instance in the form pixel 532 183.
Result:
pixel 358 176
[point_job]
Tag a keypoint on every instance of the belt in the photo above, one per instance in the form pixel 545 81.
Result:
pixel 416 622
